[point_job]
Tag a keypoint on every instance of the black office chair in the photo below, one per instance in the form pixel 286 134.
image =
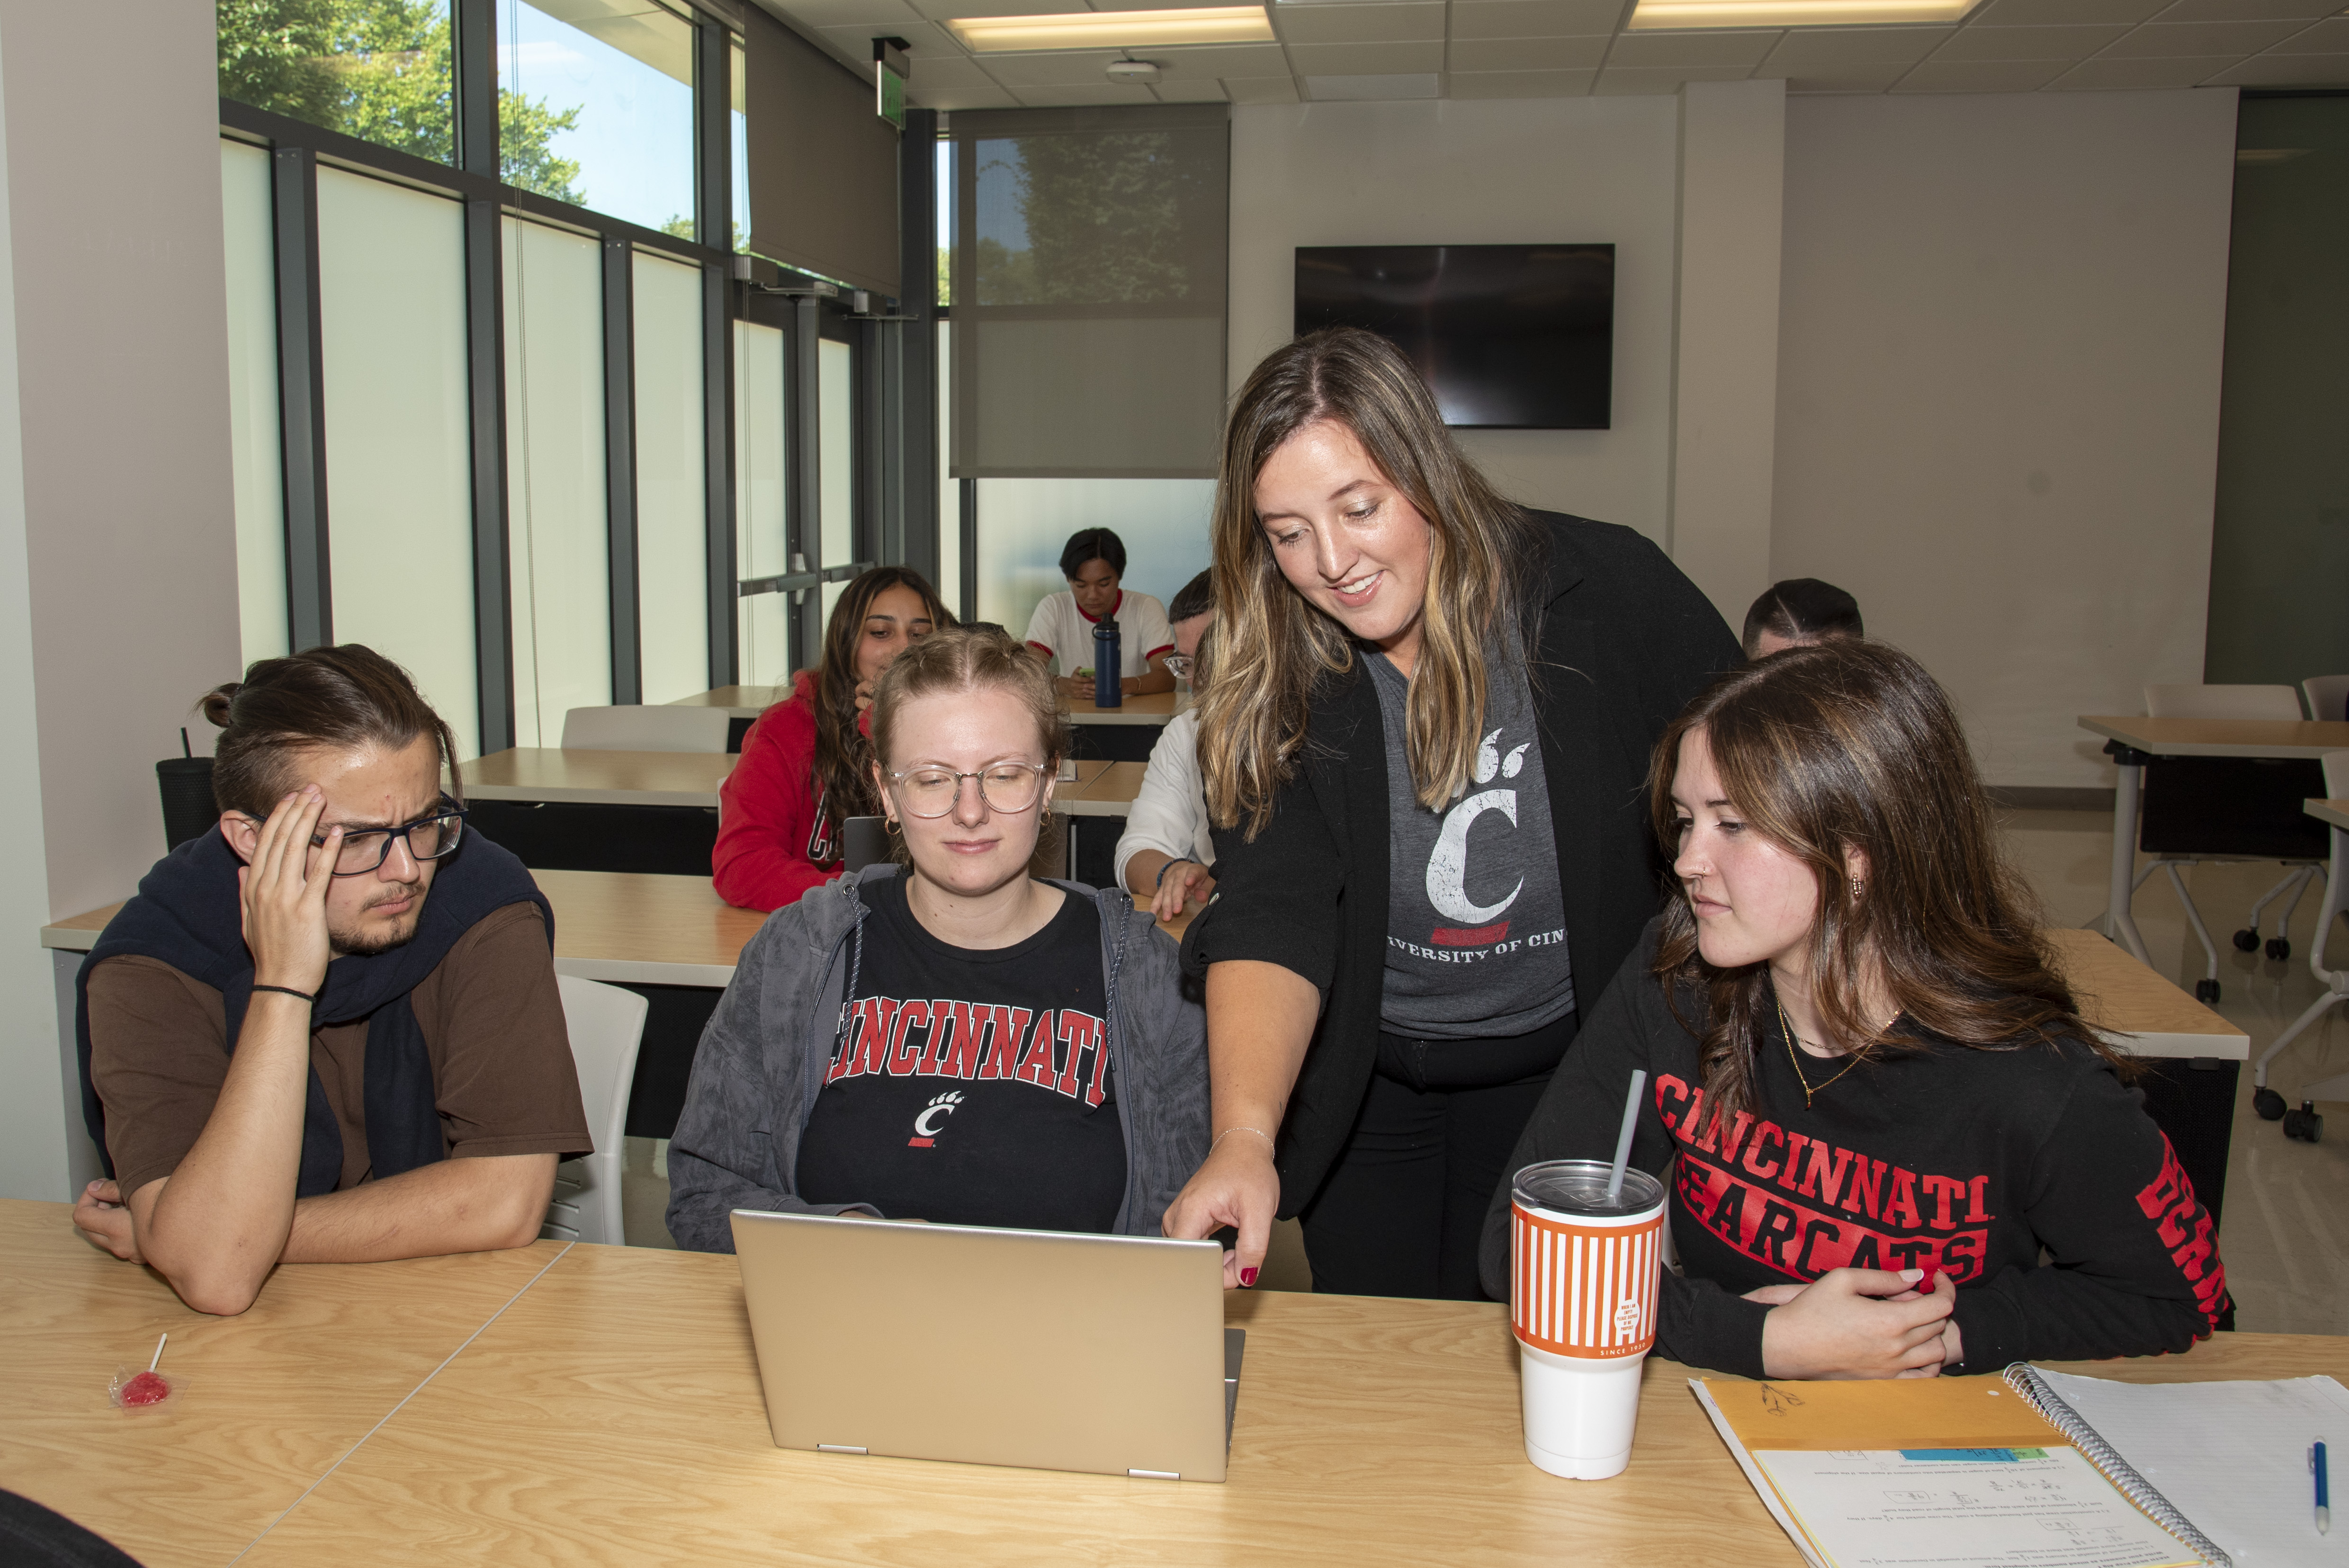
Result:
pixel 186 783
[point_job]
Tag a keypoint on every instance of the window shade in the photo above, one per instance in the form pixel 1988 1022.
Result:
pixel 1089 290
pixel 822 166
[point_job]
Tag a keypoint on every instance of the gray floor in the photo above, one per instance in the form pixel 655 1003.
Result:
pixel 2285 1233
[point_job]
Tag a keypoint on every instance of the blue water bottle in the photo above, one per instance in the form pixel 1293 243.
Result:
pixel 1108 691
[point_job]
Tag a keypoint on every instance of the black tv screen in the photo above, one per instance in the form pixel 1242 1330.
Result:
pixel 1510 337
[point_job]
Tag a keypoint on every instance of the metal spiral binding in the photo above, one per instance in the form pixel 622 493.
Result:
pixel 2037 1393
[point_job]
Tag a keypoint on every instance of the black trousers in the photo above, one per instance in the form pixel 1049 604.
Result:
pixel 1403 1211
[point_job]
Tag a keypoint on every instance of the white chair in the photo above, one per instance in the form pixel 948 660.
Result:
pixel 645 727
pixel 2305 1123
pixel 2257 702
pixel 606 1024
pixel 2328 697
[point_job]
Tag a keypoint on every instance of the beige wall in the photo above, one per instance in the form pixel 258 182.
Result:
pixel 1998 393
pixel 117 576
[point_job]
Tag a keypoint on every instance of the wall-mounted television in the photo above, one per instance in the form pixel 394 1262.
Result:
pixel 1510 337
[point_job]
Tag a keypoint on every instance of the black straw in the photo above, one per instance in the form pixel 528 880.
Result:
pixel 185 750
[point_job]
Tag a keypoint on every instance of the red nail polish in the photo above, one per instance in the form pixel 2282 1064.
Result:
pixel 1247 1278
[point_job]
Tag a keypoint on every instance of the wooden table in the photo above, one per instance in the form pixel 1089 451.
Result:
pixel 597 778
pixel 751 701
pixel 2137 1010
pixel 2138 740
pixel 612 1414
pixel 739 701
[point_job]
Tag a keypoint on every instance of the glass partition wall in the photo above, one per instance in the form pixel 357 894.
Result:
pixel 504 404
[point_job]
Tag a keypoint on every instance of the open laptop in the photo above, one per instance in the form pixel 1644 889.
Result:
pixel 1038 1348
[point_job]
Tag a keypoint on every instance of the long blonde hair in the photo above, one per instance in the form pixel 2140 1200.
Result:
pixel 1272 647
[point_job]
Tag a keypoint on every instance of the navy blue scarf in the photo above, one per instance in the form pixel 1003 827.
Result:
pixel 186 916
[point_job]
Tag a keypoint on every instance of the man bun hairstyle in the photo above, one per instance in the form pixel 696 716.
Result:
pixel 1802 607
pixel 1091 544
pixel 341 698
pixel 1197 598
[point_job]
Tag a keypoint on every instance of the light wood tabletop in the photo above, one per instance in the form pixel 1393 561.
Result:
pixel 267 1402
pixel 2333 814
pixel 1155 709
pixel 740 701
pixel 2136 1009
pixel 612 1413
pixel 2271 738
pixel 597 778
pixel 1101 789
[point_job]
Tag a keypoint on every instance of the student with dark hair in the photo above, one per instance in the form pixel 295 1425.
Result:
pixel 1166 853
pixel 806 766
pixel 1893 1148
pixel 950 1039
pixel 1798 613
pixel 328 1032
pixel 1062 627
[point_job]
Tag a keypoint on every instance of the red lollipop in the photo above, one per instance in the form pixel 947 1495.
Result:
pixel 132 1390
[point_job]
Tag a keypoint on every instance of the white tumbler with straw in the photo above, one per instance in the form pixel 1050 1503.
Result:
pixel 1586 1246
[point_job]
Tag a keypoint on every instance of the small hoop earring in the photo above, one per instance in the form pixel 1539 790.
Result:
pixel 890 827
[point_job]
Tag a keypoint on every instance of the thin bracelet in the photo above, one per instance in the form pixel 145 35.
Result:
pixel 1227 1131
pixel 1170 865
pixel 311 997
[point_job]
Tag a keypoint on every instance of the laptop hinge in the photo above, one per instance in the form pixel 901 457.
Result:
pixel 838 1449
pixel 1156 1475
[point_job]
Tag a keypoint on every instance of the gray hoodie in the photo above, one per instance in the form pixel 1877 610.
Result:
pixel 762 1060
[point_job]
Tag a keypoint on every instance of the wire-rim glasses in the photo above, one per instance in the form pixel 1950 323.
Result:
pixel 1182 666
pixel 1007 787
pixel 429 837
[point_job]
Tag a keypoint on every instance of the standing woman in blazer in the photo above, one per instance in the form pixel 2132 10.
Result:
pixel 1423 743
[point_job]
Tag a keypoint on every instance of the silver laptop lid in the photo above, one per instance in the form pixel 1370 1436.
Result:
pixel 1038 1348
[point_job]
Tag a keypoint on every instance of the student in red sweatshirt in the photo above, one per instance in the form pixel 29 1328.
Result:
pixel 806 765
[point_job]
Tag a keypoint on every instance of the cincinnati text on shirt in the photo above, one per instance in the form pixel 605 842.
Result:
pixel 1471 954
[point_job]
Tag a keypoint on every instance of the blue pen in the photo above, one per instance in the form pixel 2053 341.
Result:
pixel 2324 1495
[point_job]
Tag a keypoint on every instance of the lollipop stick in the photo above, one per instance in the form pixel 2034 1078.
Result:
pixel 158 1361
pixel 1623 1139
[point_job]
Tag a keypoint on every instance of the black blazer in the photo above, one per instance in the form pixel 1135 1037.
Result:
pixel 1624 642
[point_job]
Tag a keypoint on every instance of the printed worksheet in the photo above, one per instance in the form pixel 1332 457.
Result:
pixel 1965 1508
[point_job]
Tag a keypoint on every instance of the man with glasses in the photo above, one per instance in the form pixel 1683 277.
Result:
pixel 1165 855
pixel 328 1032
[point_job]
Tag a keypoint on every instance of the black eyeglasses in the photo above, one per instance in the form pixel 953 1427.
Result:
pixel 428 837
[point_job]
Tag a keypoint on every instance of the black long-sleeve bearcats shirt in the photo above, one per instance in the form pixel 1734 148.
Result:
pixel 1949 1157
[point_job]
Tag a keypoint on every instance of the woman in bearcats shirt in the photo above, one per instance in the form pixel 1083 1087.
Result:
pixel 805 766
pixel 1423 745
pixel 1874 1103
pixel 953 1042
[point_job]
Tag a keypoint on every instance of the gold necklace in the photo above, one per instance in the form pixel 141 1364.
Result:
pixel 1788 1030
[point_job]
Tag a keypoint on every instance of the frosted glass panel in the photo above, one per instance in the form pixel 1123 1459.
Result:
pixel 1024 524
pixel 949 584
pixel 557 536
pixel 672 544
pixel 837 384
pixel 256 453
pixel 391 309
pixel 759 480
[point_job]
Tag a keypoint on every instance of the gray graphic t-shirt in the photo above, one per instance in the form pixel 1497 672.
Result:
pixel 1476 925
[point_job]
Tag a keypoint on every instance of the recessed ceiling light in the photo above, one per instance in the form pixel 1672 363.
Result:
pixel 1114 29
pixel 1659 14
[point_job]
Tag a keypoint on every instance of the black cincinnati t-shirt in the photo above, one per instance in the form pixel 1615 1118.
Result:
pixel 972 1088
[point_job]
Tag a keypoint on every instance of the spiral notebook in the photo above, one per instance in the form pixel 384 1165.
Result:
pixel 2034 1468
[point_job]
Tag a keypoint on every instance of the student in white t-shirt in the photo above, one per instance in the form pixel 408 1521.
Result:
pixel 1165 854
pixel 1062 627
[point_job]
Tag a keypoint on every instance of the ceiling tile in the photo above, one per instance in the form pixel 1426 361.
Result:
pixel 939 10
pixel 2064 12
pixel 1838 78
pixel 926 39
pixel 2027 43
pixel 2247 10
pixel 1062 66
pixel 2191 38
pixel 1357 23
pixel 1261 90
pixel 1519 55
pixel 1380 87
pixel 2327 37
pixel 1517 84
pixel 1365 59
pixel 1153 4
pixel 949 71
pixel 1821 46
pixel 1643 79
pixel 2291 71
pixel 1218 60
pixel 886 14
pixel 1634 50
pixel 1209 91
pixel 1535 19
pixel 1980 76
pixel 1072 97
pixel 2090 76
pixel 952 98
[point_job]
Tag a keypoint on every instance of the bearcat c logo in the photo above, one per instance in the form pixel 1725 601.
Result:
pixel 933 1116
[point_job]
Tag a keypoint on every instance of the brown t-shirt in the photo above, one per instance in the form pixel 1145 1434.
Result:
pixel 492 1022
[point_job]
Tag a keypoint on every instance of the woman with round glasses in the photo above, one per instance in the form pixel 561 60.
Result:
pixel 950 1039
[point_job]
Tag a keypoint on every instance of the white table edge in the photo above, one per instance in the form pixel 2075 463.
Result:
pixel 645 972
pixel 68 938
pixel 565 795
pixel 2168 1047
pixel 2095 726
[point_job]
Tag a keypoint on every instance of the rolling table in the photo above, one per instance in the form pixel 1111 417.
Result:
pixel 2134 742
pixel 652 811
pixel 611 1413
pixel 2305 1123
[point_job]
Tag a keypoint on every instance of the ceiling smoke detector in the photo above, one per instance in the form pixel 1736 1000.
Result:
pixel 1139 73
